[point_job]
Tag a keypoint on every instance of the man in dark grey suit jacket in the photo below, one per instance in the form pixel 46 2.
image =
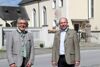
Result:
pixel 66 50
pixel 20 46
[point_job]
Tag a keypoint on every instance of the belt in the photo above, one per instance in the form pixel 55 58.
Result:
pixel 62 55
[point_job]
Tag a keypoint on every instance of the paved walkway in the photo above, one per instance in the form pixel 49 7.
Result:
pixel 44 51
pixel 89 45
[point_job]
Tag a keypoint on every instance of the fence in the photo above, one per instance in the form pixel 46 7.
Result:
pixel 41 36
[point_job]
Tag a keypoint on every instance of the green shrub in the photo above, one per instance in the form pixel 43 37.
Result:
pixel 41 45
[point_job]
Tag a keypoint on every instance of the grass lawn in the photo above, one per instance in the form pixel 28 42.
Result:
pixel 2 53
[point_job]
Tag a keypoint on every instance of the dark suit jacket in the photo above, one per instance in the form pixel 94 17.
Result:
pixel 71 45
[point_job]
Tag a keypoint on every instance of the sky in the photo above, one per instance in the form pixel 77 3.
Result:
pixel 9 2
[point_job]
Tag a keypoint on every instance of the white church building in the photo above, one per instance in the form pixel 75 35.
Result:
pixel 43 16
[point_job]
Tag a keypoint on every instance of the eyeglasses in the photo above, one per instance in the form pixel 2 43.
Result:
pixel 22 23
pixel 62 22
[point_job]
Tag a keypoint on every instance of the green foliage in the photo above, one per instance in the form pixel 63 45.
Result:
pixel 41 45
pixel 2 50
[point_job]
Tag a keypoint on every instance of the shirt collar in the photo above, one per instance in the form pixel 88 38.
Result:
pixel 20 30
pixel 64 30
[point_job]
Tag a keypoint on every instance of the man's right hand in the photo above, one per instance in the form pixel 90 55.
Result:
pixel 54 64
pixel 13 65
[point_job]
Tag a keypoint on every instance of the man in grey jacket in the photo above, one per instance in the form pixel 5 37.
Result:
pixel 66 50
pixel 20 46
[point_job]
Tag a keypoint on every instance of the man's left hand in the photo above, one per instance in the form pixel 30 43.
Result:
pixel 28 65
pixel 77 63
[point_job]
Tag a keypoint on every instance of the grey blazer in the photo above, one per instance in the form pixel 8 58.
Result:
pixel 14 45
pixel 71 44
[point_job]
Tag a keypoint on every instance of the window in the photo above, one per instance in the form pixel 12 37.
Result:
pixel 18 11
pixel 6 11
pixel 55 24
pixel 54 4
pixel 76 27
pixel 91 8
pixel 60 3
pixel 45 15
pixel 34 18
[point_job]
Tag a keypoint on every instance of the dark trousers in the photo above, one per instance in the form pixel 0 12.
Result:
pixel 62 62
pixel 24 62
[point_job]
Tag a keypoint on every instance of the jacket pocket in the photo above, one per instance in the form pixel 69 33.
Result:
pixel 72 53
pixel 72 57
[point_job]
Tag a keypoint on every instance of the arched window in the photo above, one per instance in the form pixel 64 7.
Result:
pixel 45 15
pixel 34 18
pixel 54 4
pixel 60 3
pixel 55 24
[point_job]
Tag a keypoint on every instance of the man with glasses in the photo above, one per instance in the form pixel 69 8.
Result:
pixel 20 46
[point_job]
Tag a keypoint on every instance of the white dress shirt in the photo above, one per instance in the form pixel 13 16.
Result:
pixel 62 39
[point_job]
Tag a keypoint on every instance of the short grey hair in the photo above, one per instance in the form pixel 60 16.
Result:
pixel 21 18
pixel 63 18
